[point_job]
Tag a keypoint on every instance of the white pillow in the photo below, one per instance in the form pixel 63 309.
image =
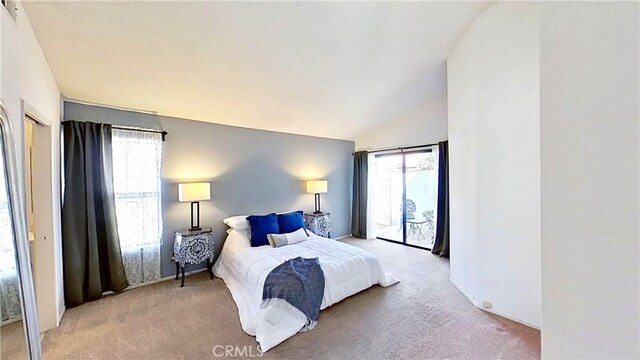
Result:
pixel 277 240
pixel 238 236
pixel 238 222
pixel 245 232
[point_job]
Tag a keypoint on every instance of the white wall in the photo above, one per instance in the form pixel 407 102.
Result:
pixel 25 76
pixel 590 179
pixel 426 124
pixel 495 161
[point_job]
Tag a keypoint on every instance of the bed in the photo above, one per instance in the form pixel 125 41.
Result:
pixel 347 270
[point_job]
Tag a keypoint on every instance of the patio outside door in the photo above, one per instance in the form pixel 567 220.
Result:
pixel 405 195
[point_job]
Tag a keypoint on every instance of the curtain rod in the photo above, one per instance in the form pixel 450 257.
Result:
pixel 132 128
pixel 164 133
pixel 399 148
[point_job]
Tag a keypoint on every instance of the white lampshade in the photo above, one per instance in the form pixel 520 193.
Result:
pixel 317 186
pixel 194 191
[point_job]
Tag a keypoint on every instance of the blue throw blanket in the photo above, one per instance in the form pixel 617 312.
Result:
pixel 300 282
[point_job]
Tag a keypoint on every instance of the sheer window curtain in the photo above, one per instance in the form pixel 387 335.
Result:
pixel 137 157
pixel 371 197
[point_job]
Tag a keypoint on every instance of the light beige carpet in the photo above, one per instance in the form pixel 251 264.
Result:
pixel 422 317
pixel 13 345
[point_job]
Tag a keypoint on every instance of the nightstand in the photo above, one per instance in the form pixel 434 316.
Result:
pixel 193 247
pixel 319 224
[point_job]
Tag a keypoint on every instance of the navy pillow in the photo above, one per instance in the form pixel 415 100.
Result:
pixel 261 225
pixel 291 222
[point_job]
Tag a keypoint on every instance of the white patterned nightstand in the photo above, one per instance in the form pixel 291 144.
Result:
pixel 193 247
pixel 319 224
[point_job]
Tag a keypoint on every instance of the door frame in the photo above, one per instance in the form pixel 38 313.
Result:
pixel 403 154
pixel 44 246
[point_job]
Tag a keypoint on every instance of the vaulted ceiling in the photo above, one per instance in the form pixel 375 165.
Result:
pixel 331 69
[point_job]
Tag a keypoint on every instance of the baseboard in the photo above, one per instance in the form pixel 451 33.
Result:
pixel 170 277
pixel 506 316
pixel 341 237
pixel 11 321
pixel 512 318
pixel 464 293
pixel 60 315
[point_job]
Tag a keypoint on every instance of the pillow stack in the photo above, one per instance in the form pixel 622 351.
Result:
pixel 287 224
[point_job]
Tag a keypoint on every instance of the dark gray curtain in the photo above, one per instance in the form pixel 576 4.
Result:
pixel 359 203
pixel 441 244
pixel 90 244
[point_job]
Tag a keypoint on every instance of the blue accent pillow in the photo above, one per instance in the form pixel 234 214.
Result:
pixel 291 222
pixel 261 226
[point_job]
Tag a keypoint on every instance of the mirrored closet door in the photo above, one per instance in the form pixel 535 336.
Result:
pixel 19 338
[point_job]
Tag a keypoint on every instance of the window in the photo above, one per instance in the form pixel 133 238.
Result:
pixel 136 179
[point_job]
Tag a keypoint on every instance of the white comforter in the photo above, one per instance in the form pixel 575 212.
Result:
pixel 347 270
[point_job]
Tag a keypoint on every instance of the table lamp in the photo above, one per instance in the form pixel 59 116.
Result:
pixel 317 187
pixel 194 192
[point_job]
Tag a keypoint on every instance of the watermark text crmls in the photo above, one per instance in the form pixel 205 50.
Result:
pixel 237 351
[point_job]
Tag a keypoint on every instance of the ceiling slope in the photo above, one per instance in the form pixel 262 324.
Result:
pixel 330 69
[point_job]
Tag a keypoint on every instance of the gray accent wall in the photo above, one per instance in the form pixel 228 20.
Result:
pixel 251 172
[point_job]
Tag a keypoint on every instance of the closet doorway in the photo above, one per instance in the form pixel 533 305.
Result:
pixel 405 195
pixel 45 251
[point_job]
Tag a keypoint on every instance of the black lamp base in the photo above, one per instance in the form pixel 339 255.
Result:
pixel 195 216
pixel 317 209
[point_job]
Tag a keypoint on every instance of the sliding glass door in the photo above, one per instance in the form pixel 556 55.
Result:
pixel 405 187
pixel 388 180
pixel 421 189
